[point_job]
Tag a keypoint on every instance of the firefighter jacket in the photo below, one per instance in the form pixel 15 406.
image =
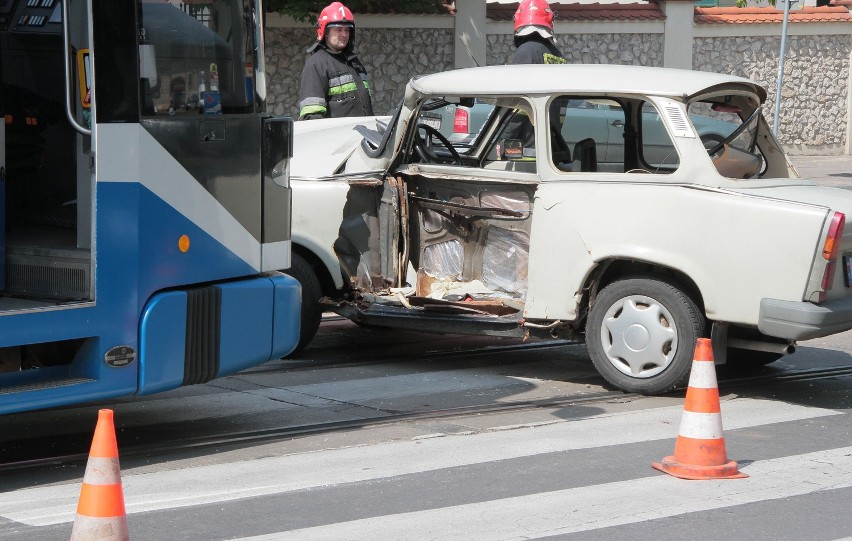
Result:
pixel 334 85
pixel 534 49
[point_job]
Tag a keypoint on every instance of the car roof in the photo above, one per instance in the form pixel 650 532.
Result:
pixel 531 79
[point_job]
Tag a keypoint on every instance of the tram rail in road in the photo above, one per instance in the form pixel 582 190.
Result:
pixel 311 364
pixel 235 438
pixel 359 378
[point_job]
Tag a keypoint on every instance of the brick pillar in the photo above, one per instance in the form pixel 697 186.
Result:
pixel 679 33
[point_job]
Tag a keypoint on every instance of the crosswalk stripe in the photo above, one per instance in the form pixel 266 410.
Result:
pixel 223 482
pixel 589 508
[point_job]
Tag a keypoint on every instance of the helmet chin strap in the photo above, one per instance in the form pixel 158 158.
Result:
pixel 315 45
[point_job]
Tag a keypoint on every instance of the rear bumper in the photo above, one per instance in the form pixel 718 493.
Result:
pixel 804 320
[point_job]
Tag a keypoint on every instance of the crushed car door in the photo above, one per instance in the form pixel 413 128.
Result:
pixel 368 242
pixel 469 226
pixel 469 238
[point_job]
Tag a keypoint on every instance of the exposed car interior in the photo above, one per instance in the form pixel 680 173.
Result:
pixel 463 244
pixel 737 155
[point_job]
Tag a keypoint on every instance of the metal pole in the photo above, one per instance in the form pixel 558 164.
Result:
pixel 781 67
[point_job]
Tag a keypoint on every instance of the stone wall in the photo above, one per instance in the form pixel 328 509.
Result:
pixel 814 109
pixel 391 56
pixel 625 49
pixel 813 113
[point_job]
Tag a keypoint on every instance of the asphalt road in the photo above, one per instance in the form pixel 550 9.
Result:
pixel 578 470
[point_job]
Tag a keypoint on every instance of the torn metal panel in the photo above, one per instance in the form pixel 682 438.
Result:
pixel 518 201
pixel 436 317
pixel 444 260
pixel 507 177
pixel 505 260
pixel 470 238
pixel 368 239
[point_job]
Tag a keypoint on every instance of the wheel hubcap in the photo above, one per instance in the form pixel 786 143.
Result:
pixel 639 336
pixel 636 337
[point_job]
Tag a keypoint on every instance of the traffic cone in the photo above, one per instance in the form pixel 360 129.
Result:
pixel 100 511
pixel 700 448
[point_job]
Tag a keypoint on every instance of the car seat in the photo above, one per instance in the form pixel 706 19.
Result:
pixel 585 155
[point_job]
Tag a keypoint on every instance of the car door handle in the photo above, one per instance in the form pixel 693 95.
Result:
pixel 617 123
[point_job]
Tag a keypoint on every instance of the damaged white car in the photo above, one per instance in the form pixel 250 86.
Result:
pixel 638 237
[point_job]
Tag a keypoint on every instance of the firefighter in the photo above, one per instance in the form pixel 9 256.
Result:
pixel 535 45
pixel 334 82
pixel 534 34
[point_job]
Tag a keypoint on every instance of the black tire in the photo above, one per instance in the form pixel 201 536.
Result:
pixel 311 313
pixel 647 348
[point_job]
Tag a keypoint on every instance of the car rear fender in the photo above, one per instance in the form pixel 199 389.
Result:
pixel 831 201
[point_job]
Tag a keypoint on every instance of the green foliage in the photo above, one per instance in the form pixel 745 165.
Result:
pixel 307 10
pixel 744 3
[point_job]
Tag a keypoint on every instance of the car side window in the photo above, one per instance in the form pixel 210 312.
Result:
pixel 605 134
pixel 513 148
pixel 511 144
pixel 657 152
pixel 587 134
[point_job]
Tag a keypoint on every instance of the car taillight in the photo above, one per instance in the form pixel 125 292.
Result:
pixel 830 250
pixel 461 121
pixel 835 233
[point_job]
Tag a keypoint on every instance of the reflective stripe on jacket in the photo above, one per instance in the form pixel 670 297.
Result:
pixel 333 86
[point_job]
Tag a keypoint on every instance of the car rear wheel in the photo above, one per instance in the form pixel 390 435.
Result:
pixel 641 334
pixel 311 313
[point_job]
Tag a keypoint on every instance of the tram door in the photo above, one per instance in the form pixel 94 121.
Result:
pixel 199 101
pixel 47 205
pixel 185 72
pixel 2 189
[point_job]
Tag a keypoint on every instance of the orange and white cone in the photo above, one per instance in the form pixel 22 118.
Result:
pixel 700 448
pixel 100 510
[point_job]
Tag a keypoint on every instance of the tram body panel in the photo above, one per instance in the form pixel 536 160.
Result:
pixel 145 213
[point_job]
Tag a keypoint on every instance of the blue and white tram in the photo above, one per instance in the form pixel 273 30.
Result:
pixel 145 199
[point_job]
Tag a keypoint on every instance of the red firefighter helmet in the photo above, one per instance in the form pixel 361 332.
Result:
pixel 334 14
pixel 534 16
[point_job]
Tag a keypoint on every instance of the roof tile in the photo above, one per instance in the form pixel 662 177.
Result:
pixel 585 12
pixel 771 15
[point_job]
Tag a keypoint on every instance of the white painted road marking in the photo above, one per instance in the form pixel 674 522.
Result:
pixel 275 475
pixel 590 508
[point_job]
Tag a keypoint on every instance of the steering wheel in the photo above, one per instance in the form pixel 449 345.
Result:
pixel 736 133
pixel 423 145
